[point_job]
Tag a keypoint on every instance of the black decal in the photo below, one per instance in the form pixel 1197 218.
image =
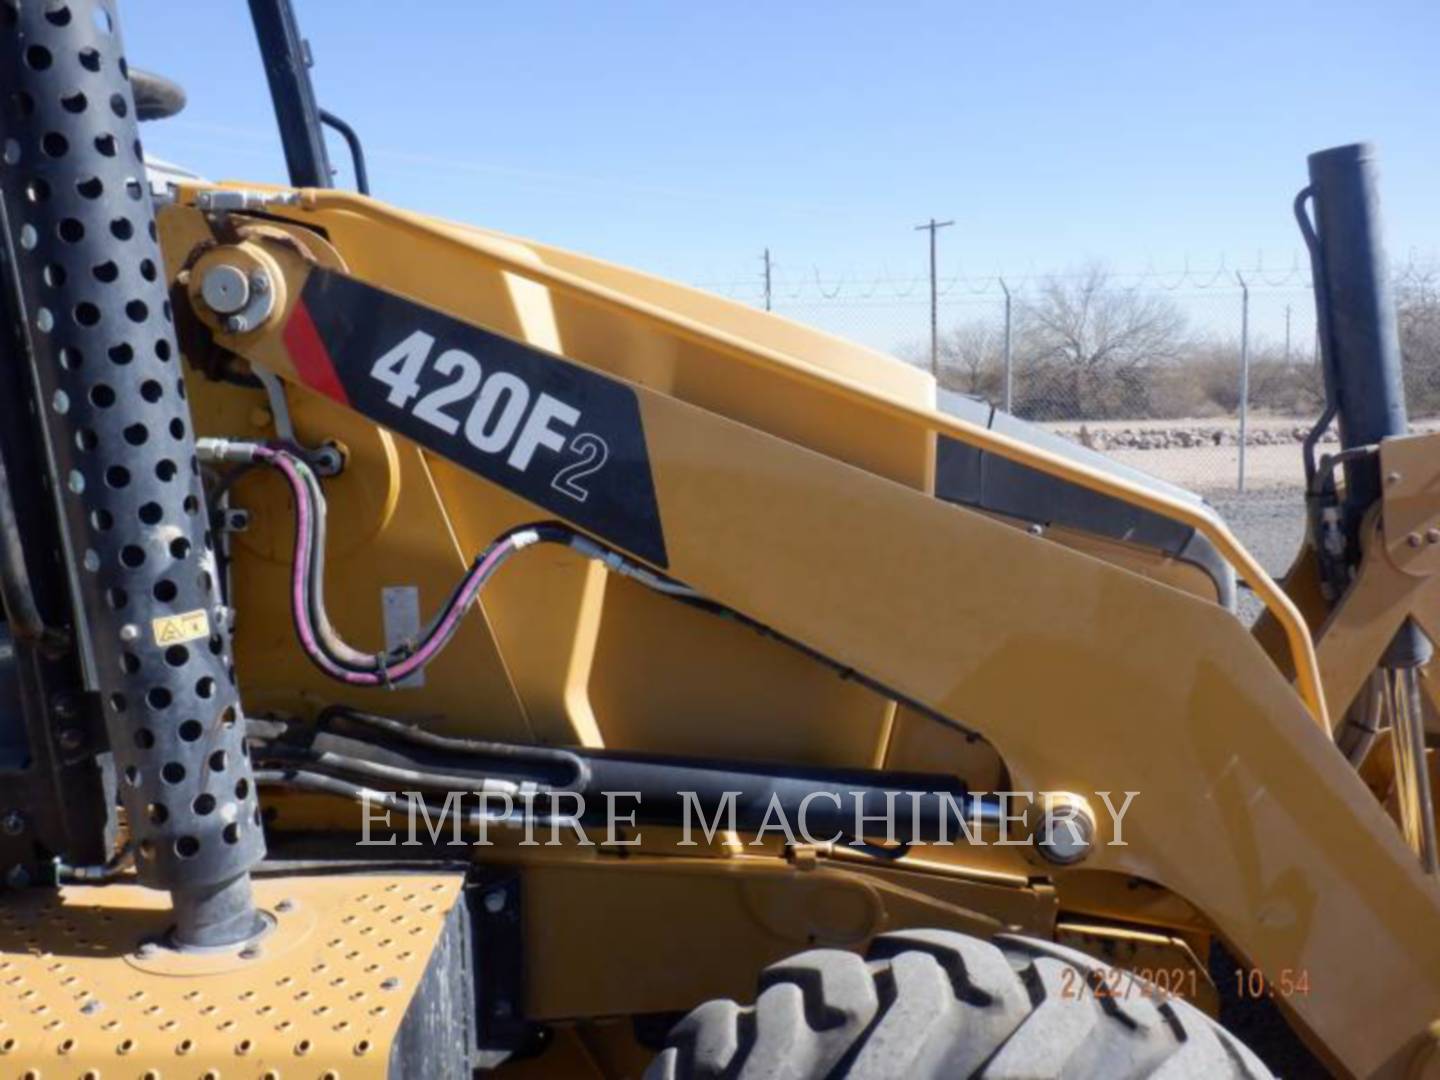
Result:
pixel 558 434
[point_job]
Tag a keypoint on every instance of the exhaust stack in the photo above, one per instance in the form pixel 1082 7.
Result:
pixel 1360 338
pixel 84 273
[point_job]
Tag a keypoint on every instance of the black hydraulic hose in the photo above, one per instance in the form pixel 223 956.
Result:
pixel 318 638
pixel 327 761
pixel 508 752
pixel 339 651
pixel 341 662
pixel 752 797
pixel 1322 324
pixel 321 784
pixel 357 152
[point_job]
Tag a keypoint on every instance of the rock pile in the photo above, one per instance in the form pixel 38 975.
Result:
pixel 1192 436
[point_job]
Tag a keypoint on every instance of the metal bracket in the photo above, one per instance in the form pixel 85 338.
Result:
pixel 229 200
pixel 494 899
pixel 326 459
pixel 1410 511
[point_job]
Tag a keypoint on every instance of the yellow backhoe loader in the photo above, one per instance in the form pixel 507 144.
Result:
pixel 429 652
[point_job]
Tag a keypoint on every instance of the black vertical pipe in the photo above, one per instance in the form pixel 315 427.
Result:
pixel 287 68
pixel 1364 339
pixel 108 394
pixel 1364 373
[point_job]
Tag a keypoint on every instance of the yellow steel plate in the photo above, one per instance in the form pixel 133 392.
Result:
pixel 322 995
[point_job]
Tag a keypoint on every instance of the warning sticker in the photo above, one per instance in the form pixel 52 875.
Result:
pixel 174 629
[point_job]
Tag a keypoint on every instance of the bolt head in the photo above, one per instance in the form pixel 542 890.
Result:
pixel 285 906
pixel 1064 829
pixel 236 324
pixel 260 281
pixel 1414 540
pixel 495 901
pixel 71 739
pixel 147 948
pixel 250 952
pixel 1392 478
pixel 129 632
pixel 225 289
pixel 13 823
pixel 392 983
pixel 1432 536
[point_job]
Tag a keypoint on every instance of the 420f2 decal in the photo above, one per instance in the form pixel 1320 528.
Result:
pixel 555 433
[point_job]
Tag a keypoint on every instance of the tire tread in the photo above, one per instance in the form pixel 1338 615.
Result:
pixel 936 1003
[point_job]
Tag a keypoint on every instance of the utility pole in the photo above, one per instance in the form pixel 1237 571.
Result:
pixel 1007 404
pixel 1287 335
pixel 766 258
pixel 1244 373
pixel 932 227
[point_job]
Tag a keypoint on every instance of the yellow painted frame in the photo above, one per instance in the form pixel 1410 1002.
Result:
pixel 1256 820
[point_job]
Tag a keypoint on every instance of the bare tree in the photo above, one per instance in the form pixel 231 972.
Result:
pixel 970 358
pixel 1088 344
pixel 1417 304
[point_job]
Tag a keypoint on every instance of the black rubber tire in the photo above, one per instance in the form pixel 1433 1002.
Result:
pixel 934 1003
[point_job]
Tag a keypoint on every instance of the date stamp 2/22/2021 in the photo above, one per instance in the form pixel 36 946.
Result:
pixel 1179 982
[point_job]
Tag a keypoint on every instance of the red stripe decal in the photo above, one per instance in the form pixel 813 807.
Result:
pixel 310 357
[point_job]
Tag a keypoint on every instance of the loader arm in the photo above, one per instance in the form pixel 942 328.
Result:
pixel 320 520
pixel 779 488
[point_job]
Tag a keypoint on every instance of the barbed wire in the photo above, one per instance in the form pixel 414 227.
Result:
pixel 886 288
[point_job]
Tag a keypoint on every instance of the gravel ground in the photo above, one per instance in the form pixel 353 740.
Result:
pixel 1269 518
pixel 1270 523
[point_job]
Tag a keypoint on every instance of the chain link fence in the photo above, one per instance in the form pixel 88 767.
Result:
pixel 1209 381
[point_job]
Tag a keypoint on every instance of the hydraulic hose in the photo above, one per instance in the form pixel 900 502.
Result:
pixel 318 638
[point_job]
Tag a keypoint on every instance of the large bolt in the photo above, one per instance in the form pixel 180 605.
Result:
pixel 225 289
pixel 495 901
pixel 1063 829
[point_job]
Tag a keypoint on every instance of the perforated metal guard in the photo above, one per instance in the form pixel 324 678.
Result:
pixel 109 386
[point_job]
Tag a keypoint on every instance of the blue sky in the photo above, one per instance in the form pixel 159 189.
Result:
pixel 684 137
